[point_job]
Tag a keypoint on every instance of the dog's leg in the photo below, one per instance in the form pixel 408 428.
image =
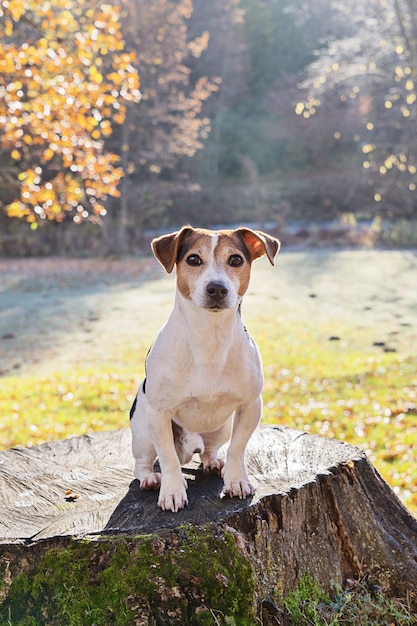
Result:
pixel 236 480
pixel 186 443
pixel 152 436
pixel 212 442
pixel 143 450
pixel 173 492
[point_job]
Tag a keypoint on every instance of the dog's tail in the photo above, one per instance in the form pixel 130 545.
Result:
pixel 186 443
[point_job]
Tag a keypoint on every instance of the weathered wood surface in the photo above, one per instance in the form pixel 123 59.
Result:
pixel 98 469
pixel 320 507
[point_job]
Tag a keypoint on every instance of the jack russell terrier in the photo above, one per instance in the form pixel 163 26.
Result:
pixel 203 373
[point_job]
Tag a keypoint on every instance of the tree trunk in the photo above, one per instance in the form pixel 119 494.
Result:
pixel 121 240
pixel 80 545
pixel 253 173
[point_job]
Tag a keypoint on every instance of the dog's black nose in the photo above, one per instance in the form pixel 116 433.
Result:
pixel 217 291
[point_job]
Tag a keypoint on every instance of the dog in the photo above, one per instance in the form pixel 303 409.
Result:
pixel 204 376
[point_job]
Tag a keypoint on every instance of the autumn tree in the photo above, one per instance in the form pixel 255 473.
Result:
pixel 169 124
pixel 371 66
pixel 65 79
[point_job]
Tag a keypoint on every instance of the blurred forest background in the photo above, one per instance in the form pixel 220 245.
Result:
pixel 297 115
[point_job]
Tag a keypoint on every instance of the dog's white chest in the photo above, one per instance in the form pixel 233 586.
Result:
pixel 201 383
pixel 206 413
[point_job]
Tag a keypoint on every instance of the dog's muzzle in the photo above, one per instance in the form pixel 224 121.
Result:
pixel 216 294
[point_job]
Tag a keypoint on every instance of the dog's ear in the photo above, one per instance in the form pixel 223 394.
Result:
pixel 165 248
pixel 259 243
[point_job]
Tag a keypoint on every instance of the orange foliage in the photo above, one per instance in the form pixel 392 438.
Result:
pixel 64 79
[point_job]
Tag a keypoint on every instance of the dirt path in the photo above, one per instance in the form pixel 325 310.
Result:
pixel 57 313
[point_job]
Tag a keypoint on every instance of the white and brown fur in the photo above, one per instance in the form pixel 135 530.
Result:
pixel 203 373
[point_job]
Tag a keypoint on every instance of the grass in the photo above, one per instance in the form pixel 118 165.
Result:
pixel 36 409
pixel 367 398
pixel 362 604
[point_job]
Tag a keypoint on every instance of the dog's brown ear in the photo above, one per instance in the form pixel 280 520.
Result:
pixel 165 248
pixel 259 243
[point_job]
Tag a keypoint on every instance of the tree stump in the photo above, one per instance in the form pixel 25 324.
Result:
pixel 80 543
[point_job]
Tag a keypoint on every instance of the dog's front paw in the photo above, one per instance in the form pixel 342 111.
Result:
pixel 238 488
pixel 173 496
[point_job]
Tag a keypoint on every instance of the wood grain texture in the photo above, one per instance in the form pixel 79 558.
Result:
pixel 320 507
pixel 98 468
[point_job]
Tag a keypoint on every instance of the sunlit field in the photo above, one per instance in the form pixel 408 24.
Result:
pixel 349 374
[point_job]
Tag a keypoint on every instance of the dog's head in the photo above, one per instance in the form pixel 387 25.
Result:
pixel 213 267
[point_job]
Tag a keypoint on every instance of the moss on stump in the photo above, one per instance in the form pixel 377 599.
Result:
pixel 191 575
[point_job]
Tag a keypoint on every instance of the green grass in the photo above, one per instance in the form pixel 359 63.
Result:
pixel 364 397
pixel 35 409
pixel 362 604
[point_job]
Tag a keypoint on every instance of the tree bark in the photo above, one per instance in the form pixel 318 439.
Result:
pixel 80 541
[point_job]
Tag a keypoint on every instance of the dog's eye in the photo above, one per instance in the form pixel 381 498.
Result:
pixel 194 260
pixel 235 260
